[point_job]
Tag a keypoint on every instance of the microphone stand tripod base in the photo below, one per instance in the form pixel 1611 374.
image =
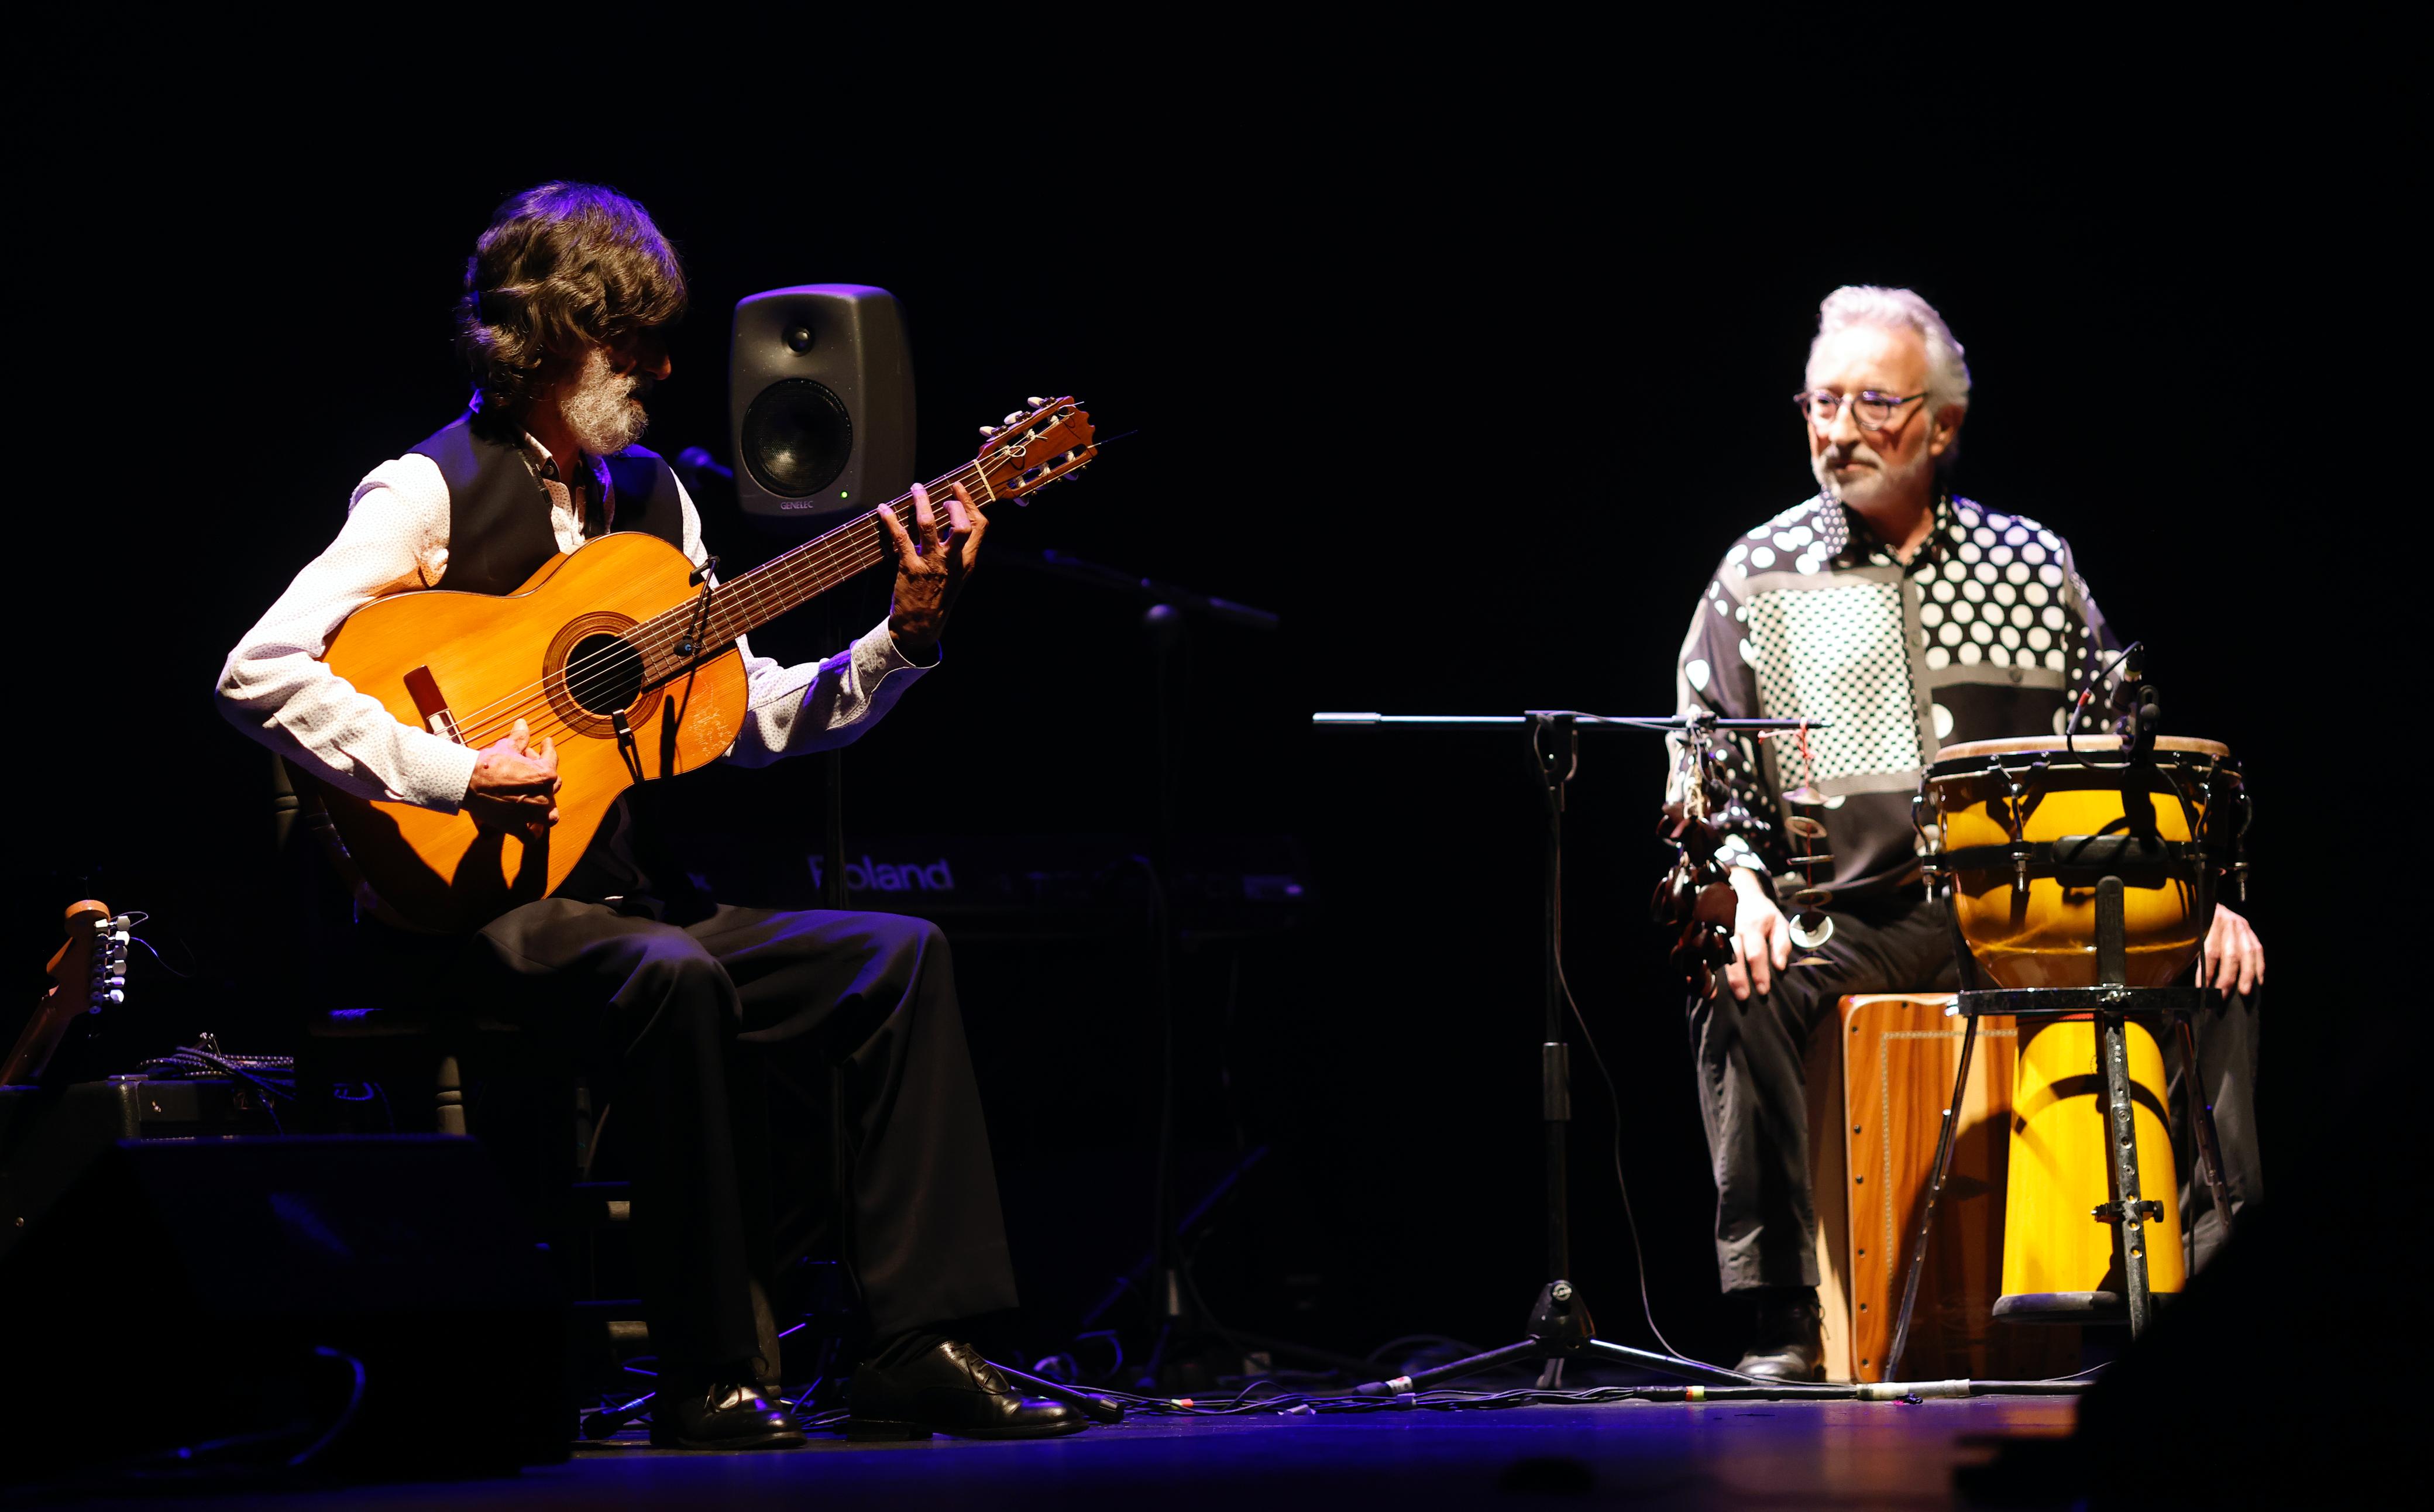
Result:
pixel 1560 1330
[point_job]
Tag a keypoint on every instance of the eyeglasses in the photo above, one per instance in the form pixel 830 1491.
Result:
pixel 1875 410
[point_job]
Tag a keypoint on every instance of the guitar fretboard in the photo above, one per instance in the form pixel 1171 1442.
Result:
pixel 745 603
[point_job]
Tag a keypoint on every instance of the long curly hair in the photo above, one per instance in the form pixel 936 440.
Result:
pixel 560 266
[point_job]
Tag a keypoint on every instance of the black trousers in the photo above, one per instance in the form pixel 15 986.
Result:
pixel 1753 1094
pixel 678 1014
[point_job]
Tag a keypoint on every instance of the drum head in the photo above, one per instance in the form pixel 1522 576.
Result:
pixel 1979 751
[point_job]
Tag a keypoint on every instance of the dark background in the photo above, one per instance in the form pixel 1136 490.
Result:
pixel 1474 400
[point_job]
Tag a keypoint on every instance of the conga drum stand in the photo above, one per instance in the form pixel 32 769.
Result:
pixel 2111 1005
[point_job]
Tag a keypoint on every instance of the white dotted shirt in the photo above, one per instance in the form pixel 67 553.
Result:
pixel 1987 632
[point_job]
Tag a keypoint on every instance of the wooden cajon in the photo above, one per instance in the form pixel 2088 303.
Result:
pixel 1879 1073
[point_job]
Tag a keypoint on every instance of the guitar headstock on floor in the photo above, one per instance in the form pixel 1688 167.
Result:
pixel 88 973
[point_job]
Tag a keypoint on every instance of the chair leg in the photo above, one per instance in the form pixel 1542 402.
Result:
pixel 448 1112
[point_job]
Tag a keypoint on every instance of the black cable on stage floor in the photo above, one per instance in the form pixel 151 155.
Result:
pixel 1630 1220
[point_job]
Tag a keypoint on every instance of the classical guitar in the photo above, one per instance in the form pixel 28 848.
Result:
pixel 625 655
pixel 87 972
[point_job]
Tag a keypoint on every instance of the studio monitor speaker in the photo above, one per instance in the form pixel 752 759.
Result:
pixel 376 1302
pixel 820 402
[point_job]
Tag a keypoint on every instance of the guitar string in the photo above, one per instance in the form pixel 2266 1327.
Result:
pixel 814 561
pixel 823 562
pixel 656 639
pixel 817 562
pixel 821 553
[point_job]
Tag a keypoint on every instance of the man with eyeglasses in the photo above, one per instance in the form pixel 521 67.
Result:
pixel 1905 619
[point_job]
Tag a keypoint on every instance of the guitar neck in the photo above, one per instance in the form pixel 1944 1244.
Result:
pixel 745 603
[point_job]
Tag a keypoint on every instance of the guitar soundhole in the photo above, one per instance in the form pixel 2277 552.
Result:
pixel 604 673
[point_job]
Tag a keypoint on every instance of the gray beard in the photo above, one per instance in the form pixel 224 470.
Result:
pixel 1885 485
pixel 601 409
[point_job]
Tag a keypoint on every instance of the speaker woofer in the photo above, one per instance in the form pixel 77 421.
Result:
pixel 797 437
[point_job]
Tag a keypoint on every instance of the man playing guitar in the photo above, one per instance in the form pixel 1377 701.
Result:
pixel 566 300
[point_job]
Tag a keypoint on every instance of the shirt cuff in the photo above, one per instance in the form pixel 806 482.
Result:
pixel 440 772
pixel 460 781
pixel 877 654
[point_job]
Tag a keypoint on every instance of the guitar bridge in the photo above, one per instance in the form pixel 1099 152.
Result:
pixel 424 688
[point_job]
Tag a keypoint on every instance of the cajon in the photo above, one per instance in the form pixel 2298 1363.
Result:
pixel 1879 1073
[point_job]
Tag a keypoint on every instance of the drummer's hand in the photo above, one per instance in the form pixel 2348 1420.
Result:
pixel 1761 937
pixel 2235 958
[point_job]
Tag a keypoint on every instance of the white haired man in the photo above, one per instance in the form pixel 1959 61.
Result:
pixel 1909 620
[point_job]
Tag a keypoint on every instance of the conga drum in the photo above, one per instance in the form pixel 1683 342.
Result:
pixel 2025 830
pixel 2059 1264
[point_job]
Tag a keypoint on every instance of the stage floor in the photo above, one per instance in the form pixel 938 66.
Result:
pixel 1646 1455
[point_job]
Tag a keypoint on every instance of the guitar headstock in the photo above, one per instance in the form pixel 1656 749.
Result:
pixel 86 974
pixel 1035 446
pixel 92 964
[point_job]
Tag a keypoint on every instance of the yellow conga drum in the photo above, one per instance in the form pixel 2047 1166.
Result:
pixel 2025 830
pixel 2025 827
pixel 2058 1262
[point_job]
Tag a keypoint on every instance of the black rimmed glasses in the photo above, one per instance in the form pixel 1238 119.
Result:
pixel 1875 411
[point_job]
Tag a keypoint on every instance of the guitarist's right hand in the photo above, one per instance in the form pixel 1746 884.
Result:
pixel 514 790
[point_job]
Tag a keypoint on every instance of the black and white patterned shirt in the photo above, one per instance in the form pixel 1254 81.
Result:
pixel 1987 632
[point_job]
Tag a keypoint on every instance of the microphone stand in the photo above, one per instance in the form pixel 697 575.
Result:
pixel 1182 1323
pixel 1560 1327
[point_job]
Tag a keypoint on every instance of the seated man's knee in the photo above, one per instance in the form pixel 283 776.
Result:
pixel 901 937
pixel 667 959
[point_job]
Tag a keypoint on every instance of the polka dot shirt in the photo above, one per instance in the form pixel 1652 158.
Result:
pixel 1987 632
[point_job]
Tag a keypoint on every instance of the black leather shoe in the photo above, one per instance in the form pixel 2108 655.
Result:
pixel 720 1417
pixel 1788 1341
pixel 950 1389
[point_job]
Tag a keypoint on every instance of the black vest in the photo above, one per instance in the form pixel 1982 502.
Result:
pixel 499 535
pixel 498 512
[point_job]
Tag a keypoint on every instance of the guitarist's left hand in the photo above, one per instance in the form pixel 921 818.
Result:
pixel 930 572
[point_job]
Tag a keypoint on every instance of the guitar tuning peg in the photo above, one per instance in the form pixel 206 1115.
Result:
pixel 1011 419
pixel 988 431
pixel 1034 401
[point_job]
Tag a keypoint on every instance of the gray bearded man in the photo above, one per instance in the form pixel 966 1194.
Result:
pixel 1907 619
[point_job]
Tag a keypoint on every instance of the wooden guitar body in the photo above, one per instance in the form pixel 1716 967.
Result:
pixel 621 656
pixel 468 665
